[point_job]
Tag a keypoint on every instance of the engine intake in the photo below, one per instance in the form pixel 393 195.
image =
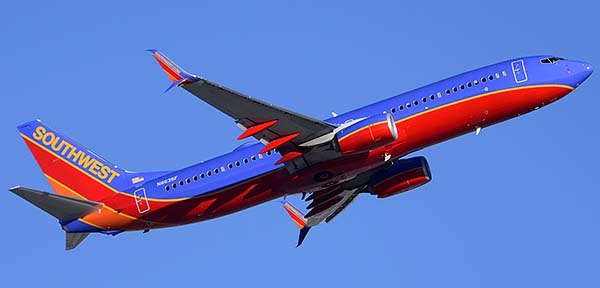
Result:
pixel 367 134
pixel 403 175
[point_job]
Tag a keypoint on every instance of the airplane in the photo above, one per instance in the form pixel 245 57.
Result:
pixel 328 162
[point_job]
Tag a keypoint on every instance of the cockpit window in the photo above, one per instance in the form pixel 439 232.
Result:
pixel 551 60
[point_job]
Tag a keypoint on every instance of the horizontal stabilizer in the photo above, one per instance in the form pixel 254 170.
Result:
pixel 73 239
pixel 63 208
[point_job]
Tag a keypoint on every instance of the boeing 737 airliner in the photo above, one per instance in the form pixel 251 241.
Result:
pixel 329 162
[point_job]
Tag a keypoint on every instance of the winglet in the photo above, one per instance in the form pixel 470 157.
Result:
pixel 299 219
pixel 179 76
pixel 303 233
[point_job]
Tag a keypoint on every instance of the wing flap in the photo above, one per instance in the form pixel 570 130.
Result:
pixel 328 208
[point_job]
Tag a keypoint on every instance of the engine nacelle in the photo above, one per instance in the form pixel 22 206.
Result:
pixel 367 134
pixel 403 175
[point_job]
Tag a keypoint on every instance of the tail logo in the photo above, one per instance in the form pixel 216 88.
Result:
pixel 78 157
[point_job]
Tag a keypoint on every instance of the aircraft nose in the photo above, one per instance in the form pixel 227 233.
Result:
pixel 578 71
pixel 589 68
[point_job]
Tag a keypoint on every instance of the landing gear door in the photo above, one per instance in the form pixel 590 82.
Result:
pixel 518 68
pixel 141 201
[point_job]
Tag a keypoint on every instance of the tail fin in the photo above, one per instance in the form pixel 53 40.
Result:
pixel 63 208
pixel 176 74
pixel 72 169
pixel 298 219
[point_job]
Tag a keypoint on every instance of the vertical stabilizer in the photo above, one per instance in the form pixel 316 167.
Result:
pixel 72 169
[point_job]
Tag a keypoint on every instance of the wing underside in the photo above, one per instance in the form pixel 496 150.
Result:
pixel 301 140
pixel 325 206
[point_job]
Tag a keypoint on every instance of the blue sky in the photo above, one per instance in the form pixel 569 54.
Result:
pixel 515 206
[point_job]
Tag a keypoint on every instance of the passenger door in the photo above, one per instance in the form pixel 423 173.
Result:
pixel 141 201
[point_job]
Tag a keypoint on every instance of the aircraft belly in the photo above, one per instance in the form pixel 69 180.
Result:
pixel 450 121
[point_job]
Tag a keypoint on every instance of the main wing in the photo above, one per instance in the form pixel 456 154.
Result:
pixel 248 113
pixel 325 206
pixel 292 134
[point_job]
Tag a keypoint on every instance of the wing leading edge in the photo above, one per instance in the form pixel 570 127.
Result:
pixel 276 127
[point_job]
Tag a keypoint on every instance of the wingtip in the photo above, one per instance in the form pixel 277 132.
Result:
pixel 175 84
pixel 14 188
pixel 178 76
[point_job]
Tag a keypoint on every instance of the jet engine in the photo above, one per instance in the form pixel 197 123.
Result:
pixel 367 134
pixel 403 175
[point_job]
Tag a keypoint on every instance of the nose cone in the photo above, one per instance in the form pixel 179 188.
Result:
pixel 578 71
pixel 586 70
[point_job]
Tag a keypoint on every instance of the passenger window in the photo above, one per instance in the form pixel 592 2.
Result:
pixel 269 153
pixel 401 107
pixel 174 185
pixel 260 156
pixel 222 168
pixel 208 173
pixel 237 163
pixel 167 187
pixel 181 183
pixel 216 170
pixel 393 110
pixel 245 160
pixel 439 94
pixel 462 87
pixel 188 180
pixel 416 102
pixel 476 82
pixel 195 178
pixel 454 89
pixel 202 176
pixel 483 79
pixel 230 166
pixel 432 97
pixel 497 75
pixel 253 158
pixel 424 99
pixel 491 77
pixel 469 84
pixel 504 73
pixel 447 91
pixel 407 105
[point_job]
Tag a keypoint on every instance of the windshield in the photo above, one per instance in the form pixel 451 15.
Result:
pixel 551 60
